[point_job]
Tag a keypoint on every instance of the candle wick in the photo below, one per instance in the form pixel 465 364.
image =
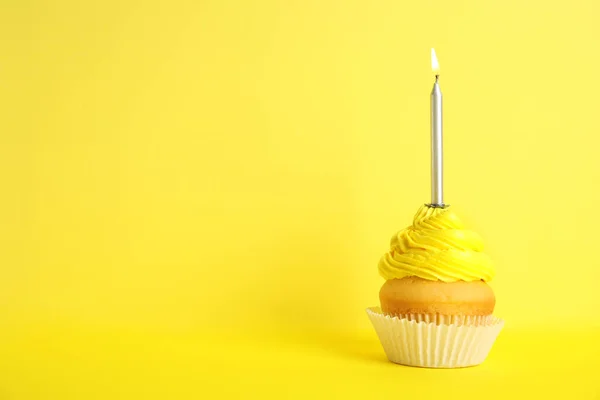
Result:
pixel 437 77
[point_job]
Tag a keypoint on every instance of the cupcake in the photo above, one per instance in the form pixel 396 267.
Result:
pixel 436 308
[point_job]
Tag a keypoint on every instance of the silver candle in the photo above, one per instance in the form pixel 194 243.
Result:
pixel 437 174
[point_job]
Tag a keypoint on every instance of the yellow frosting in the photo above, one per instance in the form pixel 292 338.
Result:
pixel 437 247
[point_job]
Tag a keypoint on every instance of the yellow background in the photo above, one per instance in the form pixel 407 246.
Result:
pixel 195 194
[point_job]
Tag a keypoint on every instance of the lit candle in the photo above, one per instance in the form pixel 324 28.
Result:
pixel 437 176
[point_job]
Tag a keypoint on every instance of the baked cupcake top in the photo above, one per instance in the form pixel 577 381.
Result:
pixel 436 247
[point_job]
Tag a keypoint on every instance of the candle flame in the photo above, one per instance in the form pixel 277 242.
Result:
pixel 435 65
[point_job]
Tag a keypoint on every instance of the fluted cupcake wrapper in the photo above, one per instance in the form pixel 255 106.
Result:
pixel 427 344
pixel 439 319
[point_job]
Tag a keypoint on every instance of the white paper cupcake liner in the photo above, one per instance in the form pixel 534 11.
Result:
pixel 434 345
pixel 439 319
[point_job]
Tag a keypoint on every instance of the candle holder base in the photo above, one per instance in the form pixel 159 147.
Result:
pixel 438 205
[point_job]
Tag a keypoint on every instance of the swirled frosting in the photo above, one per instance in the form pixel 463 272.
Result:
pixel 436 247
